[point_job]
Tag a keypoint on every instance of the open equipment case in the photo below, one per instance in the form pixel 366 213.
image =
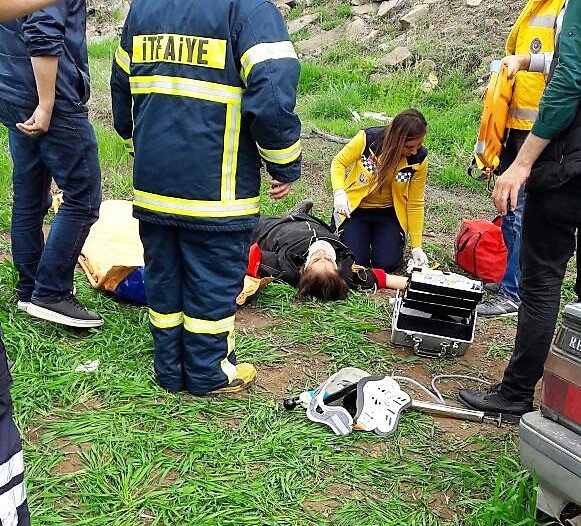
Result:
pixel 436 313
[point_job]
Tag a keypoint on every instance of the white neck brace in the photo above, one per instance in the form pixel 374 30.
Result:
pixel 321 245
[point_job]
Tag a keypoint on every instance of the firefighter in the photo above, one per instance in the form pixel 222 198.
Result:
pixel 203 93
pixel 13 505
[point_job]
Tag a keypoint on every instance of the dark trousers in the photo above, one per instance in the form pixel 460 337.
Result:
pixel 13 505
pixel 375 237
pixel 68 154
pixel 548 242
pixel 512 221
pixel 192 279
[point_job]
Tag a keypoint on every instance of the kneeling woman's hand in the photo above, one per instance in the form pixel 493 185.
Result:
pixel 419 257
pixel 341 203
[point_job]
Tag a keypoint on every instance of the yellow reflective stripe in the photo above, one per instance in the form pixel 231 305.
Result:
pixel 547 21
pixel 184 87
pixel 230 155
pixel 122 59
pixel 165 321
pixel 263 52
pixel 284 156
pixel 129 145
pixel 199 326
pixel 525 114
pixel 195 208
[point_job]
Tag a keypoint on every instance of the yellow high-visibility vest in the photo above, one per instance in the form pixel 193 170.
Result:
pixel 533 32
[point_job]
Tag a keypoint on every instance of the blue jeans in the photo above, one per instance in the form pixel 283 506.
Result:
pixel 511 231
pixel 375 237
pixel 68 154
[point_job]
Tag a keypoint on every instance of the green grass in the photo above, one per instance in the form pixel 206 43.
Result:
pixel 337 83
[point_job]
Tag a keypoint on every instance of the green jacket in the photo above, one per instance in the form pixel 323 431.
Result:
pixel 560 101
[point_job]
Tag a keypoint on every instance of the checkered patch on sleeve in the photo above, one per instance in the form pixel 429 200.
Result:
pixel 369 163
pixel 403 176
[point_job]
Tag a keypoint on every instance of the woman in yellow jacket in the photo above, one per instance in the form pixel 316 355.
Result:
pixel 382 197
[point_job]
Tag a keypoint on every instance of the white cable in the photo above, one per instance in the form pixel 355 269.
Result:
pixel 422 387
pixel 458 377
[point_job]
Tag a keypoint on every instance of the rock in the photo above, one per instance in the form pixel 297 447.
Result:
pixel 417 14
pixel 294 26
pixel 383 47
pixel 379 117
pixel 314 45
pixel 386 7
pixel 371 35
pixel 360 2
pixel 356 29
pixel 378 78
pixel 395 57
pixel 473 3
pixel 365 9
pixel 426 66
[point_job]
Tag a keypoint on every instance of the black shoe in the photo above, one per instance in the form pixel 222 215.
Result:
pixel 492 402
pixel 302 207
pixel 68 312
pixel 493 288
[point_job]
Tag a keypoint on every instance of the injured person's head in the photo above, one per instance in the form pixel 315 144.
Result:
pixel 320 277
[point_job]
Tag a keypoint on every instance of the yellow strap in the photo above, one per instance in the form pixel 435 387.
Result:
pixel 123 60
pixel 200 326
pixel 165 321
pixel 283 156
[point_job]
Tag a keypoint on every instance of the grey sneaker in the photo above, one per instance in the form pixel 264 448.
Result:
pixel 68 312
pixel 499 305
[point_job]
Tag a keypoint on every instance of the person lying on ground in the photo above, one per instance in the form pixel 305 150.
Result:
pixel 382 198
pixel 303 251
pixel 10 9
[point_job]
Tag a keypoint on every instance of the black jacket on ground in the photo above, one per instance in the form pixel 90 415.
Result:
pixel 284 245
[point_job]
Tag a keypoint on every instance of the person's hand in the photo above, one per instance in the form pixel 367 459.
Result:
pixel 507 186
pixel 341 203
pixel 279 190
pixel 420 258
pixel 38 124
pixel 516 63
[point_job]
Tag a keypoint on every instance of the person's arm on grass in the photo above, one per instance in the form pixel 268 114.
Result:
pixel 44 37
pixel 10 9
pixel 557 110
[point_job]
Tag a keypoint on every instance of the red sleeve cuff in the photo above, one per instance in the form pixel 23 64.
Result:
pixel 381 278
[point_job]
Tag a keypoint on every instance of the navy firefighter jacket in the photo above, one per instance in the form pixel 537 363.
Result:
pixel 57 31
pixel 203 93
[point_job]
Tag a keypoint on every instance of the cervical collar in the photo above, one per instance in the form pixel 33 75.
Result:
pixel 321 245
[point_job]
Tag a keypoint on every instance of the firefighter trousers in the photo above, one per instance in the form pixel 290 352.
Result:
pixel 13 505
pixel 192 279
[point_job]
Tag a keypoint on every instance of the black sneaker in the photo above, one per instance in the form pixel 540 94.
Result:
pixel 302 207
pixel 499 305
pixel 68 312
pixel 492 402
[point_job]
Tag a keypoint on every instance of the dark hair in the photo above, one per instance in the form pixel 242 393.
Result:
pixel 406 126
pixel 326 286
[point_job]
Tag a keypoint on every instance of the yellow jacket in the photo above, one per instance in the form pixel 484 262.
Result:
pixel 407 187
pixel 532 33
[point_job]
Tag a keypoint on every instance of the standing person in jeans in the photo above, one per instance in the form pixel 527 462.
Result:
pixel 533 37
pixel 550 163
pixel 44 86
pixel 13 505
